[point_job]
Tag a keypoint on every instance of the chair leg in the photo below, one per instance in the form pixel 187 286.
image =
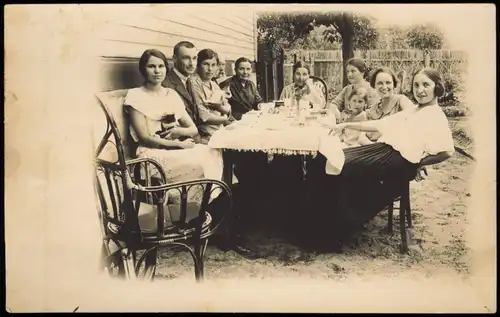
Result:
pixel 408 212
pixel 150 265
pixel 402 229
pixel 390 213
pixel 405 215
pixel 104 262
pixel 205 244
pixel 198 259
pixel 128 264
pixel 304 166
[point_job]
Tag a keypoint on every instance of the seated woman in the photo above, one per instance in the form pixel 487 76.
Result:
pixel 385 83
pixel 244 94
pixel 356 70
pixel 212 106
pixel 169 143
pixel 410 140
pixel 354 112
pixel 303 88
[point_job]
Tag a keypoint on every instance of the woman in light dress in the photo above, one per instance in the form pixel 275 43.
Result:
pixel 213 107
pixel 410 140
pixel 169 143
pixel 303 89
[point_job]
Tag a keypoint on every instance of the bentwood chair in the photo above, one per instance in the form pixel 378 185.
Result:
pixel 136 213
pixel 321 85
pixel 405 220
pixel 405 216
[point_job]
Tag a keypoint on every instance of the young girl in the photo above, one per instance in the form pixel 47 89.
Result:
pixel 354 111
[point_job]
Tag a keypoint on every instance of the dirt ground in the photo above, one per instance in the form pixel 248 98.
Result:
pixel 439 209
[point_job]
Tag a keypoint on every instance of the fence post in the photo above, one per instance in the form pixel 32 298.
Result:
pixel 311 63
pixel 274 75
pixel 427 58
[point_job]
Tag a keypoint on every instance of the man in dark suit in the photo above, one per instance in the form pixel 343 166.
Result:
pixel 179 78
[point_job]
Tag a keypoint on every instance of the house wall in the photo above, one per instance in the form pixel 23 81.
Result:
pixel 125 31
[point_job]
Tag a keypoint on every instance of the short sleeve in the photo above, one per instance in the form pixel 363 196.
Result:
pixel 439 137
pixel 133 99
pixel 199 96
pixel 339 100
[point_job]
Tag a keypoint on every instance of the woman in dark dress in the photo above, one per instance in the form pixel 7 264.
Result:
pixel 244 93
pixel 410 140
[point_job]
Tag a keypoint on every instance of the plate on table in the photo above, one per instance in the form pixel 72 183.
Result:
pixel 316 112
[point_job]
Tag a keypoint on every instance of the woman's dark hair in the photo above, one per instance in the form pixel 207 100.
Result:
pixel 433 75
pixel 386 70
pixel 143 61
pixel 241 60
pixel 358 63
pixel 205 54
pixel 301 64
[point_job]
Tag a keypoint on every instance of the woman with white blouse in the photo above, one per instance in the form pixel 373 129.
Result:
pixel 410 140
pixel 163 130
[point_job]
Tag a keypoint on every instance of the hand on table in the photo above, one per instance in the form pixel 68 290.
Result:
pixel 328 124
pixel 337 129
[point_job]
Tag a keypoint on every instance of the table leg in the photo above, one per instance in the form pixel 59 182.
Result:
pixel 227 172
pixel 227 177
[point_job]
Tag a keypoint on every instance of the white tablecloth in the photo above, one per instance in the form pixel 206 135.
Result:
pixel 278 134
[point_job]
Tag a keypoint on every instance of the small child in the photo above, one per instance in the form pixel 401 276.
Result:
pixel 354 112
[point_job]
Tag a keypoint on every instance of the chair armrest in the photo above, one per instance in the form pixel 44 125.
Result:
pixel 209 186
pixel 176 185
pixel 133 162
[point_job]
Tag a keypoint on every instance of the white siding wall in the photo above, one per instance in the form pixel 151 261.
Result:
pixel 127 30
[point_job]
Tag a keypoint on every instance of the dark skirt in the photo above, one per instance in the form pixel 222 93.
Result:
pixel 372 177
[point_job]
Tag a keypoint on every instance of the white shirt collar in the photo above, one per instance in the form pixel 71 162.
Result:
pixel 181 76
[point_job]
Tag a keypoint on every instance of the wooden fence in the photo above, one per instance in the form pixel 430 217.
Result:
pixel 328 65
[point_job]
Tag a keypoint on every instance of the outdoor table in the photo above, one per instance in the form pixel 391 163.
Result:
pixel 285 133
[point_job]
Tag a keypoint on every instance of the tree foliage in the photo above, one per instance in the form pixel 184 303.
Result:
pixel 425 36
pixel 283 31
pixel 365 35
pixel 393 38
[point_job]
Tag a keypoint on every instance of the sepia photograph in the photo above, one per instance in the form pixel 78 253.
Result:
pixel 250 158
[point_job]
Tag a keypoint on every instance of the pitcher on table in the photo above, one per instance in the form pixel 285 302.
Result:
pixel 302 89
